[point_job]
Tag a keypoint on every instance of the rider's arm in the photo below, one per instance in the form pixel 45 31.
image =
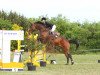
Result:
pixel 49 25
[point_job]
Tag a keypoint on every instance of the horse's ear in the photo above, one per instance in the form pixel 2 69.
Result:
pixel 28 29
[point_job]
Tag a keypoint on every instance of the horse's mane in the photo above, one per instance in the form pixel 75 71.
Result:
pixel 39 23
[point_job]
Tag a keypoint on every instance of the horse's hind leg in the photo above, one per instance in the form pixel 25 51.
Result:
pixel 70 56
pixel 67 57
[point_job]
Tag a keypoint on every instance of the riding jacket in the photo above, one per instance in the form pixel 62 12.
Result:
pixel 48 25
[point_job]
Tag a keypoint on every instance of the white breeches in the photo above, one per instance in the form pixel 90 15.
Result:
pixel 53 28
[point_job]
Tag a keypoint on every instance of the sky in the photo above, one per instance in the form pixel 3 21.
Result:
pixel 74 10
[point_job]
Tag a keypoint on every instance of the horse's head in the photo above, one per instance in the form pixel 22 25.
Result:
pixel 31 29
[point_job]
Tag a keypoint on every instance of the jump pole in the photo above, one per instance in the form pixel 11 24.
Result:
pixel 19 45
pixel 39 55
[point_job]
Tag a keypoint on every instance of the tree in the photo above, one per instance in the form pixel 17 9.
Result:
pixel 3 15
pixel 5 24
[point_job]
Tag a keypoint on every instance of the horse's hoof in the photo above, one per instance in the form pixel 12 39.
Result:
pixel 72 63
pixel 66 64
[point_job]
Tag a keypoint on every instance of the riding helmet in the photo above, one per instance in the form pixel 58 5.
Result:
pixel 43 18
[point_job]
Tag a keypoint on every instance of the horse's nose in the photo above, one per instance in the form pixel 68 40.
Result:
pixel 28 38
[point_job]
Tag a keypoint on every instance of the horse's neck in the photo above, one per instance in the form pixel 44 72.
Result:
pixel 50 37
pixel 40 27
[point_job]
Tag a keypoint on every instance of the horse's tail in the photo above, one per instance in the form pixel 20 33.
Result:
pixel 75 42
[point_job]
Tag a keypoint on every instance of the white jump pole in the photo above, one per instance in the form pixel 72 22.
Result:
pixel 0 47
pixel 5 39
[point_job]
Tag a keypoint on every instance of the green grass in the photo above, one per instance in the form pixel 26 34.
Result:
pixel 84 65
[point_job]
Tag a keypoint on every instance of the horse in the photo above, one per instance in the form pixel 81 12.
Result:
pixel 45 37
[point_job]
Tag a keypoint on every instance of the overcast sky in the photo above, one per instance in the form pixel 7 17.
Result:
pixel 75 10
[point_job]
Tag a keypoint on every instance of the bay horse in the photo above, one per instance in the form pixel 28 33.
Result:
pixel 45 37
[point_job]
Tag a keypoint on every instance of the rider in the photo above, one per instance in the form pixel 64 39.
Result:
pixel 48 25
